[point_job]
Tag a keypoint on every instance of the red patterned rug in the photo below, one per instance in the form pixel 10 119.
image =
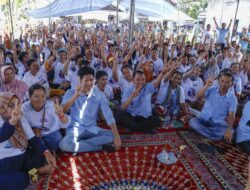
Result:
pixel 135 166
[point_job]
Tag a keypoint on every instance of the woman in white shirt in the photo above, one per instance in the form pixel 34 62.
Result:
pixel 20 150
pixel 35 75
pixel 45 117
pixel 192 84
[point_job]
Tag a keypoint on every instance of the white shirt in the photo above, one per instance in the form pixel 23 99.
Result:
pixel 21 69
pixel 158 66
pixel 191 88
pixel 46 52
pixel 238 56
pixel 59 77
pixel 39 78
pixel 51 120
pixel 206 35
pixel 184 68
pixel 72 75
pixel 227 63
pixel 237 84
pixel 244 78
pixel 5 147
pixel 163 92
pixel 124 84
pixel 108 91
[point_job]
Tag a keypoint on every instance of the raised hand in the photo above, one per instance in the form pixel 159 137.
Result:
pixel 16 113
pixel 79 91
pixel 58 108
pixel 137 92
pixel 210 82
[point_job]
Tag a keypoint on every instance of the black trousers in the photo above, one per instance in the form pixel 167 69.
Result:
pixel 245 146
pixel 137 123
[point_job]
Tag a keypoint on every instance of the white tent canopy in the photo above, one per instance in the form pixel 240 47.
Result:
pixel 68 7
pixel 161 9
pixel 101 15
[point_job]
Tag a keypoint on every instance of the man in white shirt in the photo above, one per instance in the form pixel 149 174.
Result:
pixel 207 35
pixel 184 67
pixel 158 63
pixel 126 80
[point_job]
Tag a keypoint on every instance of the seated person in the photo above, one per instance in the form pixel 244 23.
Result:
pixel 136 104
pixel 171 97
pixel 126 79
pixel 237 83
pixel 45 117
pixel 11 84
pixel 218 113
pixel 83 134
pixel 192 84
pixel 102 84
pixel 36 75
pixel 56 73
pixel 243 135
pixel 15 136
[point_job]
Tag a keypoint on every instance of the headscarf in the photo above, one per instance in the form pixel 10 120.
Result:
pixel 18 139
pixel 17 87
pixel 4 68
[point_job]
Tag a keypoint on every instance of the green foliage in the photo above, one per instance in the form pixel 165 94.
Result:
pixel 193 7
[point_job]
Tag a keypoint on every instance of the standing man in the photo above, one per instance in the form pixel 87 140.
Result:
pixel 244 40
pixel 83 134
pixel 222 32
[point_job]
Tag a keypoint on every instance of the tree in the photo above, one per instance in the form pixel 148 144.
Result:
pixel 193 7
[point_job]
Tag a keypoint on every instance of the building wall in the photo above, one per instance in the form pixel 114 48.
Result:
pixel 224 10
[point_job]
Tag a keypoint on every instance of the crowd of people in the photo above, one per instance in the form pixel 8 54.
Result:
pixel 58 85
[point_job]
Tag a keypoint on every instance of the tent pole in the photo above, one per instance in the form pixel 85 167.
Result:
pixel 11 22
pixel 178 9
pixel 50 17
pixel 117 12
pixel 234 28
pixel 131 23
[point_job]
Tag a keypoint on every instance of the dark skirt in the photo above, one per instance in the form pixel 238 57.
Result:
pixel 14 170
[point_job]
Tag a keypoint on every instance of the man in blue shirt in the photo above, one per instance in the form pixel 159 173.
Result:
pixel 83 134
pixel 222 32
pixel 218 113
pixel 243 135
pixel 136 104
pixel 244 39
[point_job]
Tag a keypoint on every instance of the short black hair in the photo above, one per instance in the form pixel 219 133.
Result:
pixel 154 48
pixel 138 72
pixel 177 73
pixel 226 72
pixel 21 55
pixel 100 74
pixel 126 66
pixel 34 87
pixel 234 64
pixel 30 61
pixel 86 70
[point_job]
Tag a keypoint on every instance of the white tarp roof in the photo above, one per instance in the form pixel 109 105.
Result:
pixel 160 9
pixel 101 15
pixel 68 7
